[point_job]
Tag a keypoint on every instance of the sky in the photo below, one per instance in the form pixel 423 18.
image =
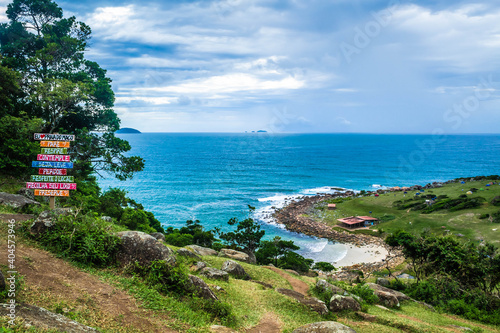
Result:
pixel 361 66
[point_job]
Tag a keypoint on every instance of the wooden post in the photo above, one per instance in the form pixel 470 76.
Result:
pixel 52 202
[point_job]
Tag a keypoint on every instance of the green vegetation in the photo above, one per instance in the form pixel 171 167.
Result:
pixel 192 233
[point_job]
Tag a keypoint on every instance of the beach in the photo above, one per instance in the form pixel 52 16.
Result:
pixel 362 254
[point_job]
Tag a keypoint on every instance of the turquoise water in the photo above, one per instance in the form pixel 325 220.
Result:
pixel 213 177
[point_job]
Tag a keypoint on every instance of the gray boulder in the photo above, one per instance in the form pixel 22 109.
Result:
pixel 202 251
pixel 47 220
pixel 44 319
pixel 199 266
pixel 235 269
pixel 16 200
pixel 214 273
pixel 324 286
pixel 383 282
pixel 387 299
pixel 159 236
pixel 201 289
pixel 233 254
pixel 399 295
pixel 324 327
pixel 27 193
pixel 143 248
pixel 187 253
pixel 106 218
pixel 340 303
pixel 312 302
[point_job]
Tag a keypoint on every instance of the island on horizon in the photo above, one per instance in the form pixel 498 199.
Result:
pixel 128 130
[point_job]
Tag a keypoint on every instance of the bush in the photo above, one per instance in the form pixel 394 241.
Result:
pixel 85 239
pixel 178 239
pixel 496 217
pixel 484 216
pixel 164 277
pixel 295 261
pixel 365 293
pixel 324 266
pixel 216 309
pixel 496 201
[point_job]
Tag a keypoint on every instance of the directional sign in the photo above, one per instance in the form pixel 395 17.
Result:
pixel 54 151
pixel 53 158
pixel 54 144
pixel 52 193
pixel 54 137
pixel 58 179
pixel 59 165
pixel 53 172
pixel 51 186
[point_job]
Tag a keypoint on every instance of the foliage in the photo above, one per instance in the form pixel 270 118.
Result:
pixel 57 84
pixel 192 233
pixel 293 260
pixel 495 217
pixel 496 201
pixel 17 148
pixel 270 251
pixel 363 291
pixel 84 238
pixel 164 277
pixel 246 236
pixel 216 309
pixel 324 266
pixel 441 202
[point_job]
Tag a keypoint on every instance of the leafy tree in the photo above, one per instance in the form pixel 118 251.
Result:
pixel 324 266
pixel 270 251
pixel 292 260
pixel 70 93
pixel 247 235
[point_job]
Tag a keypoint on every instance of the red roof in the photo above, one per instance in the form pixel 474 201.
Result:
pixel 367 218
pixel 356 219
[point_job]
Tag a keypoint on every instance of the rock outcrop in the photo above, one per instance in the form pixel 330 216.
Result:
pixel 47 220
pixel 378 288
pixel 312 302
pixel 143 248
pixel 187 253
pixel 16 200
pixel 159 236
pixel 214 273
pixel 324 327
pixel 201 289
pixel 340 303
pixel 202 251
pixel 324 286
pixel 44 319
pixel 233 254
pixel 234 269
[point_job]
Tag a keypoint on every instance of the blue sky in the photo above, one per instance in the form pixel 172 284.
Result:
pixel 299 65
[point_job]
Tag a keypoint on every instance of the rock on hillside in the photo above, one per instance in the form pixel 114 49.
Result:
pixel 202 251
pixel 201 288
pixel 340 303
pixel 15 200
pixel 235 269
pixel 233 254
pixel 143 248
pixel 324 327
pixel 47 219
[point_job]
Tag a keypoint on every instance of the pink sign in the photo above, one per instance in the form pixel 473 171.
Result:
pixel 53 172
pixel 53 158
pixel 51 186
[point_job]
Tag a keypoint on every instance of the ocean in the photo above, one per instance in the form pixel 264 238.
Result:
pixel 213 177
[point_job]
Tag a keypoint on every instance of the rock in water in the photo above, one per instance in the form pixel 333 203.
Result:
pixel 143 248
pixel 235 269
pixel 16 200
pixel 201 289
pixel 340 303
pixel 324 327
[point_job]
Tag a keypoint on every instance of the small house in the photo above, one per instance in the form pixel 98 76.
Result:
pixel 357 221
pixel 332 206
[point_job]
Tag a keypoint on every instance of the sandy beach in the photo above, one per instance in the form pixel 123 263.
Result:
pixel 362 254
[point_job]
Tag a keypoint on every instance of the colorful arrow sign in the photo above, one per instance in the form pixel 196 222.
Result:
pixel 53 172
pixel 53 158
pixel 51 186
pixel 54 151
pixel 54 144
pixel 58 179
pixel 59 165
pixel 54 137
pixel 52 193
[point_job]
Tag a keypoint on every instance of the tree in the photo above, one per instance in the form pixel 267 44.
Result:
pixel 70 93
pixel 247 235
pixel 270 251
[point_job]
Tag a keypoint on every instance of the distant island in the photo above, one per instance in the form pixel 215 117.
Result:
pixel 128 130
pixel 259 131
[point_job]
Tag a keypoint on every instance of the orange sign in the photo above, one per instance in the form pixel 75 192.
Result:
pixel 54 144
pixel 52 193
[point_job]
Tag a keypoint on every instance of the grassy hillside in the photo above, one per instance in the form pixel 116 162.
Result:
pixel 465 222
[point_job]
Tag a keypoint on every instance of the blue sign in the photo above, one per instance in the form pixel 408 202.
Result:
pixel 59 165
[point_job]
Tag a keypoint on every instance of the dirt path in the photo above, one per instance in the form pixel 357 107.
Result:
pixel 297 285
pixel 44 274
pixel 268 324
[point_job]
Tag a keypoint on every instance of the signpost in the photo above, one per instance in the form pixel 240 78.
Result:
pixel 52 180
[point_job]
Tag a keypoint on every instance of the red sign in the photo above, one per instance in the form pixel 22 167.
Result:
pixel 54 137
pixel 53 172
pixel 53 158
pixel 52 193
pixel 51 186
pixel 54 144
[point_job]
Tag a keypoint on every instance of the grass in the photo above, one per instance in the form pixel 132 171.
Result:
pixel 465 222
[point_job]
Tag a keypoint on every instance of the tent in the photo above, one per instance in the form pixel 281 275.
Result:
pixel 469 192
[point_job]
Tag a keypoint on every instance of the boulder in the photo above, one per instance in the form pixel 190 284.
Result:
pixel 143 248
pixel 233 254
pixel 367 317
pixel 27 193
pixel 399 295
pixel 187 253
pixel 16 200
pixel 159 236
pixel 324 286
pixel 214 273
pixel 312 302
pixel 221 329
pixel 291 271
pixel 41 318
pixel 47 219
pixel 387 299
pixel 199 266
pixel 324 327
pixel 202 251
pixel 340 303
pixel 106 218
pixel 383 282
pixel 201 289
pixel 235 270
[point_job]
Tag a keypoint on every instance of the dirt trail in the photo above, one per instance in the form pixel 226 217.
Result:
pixel 44 274
pixel 268 324
pixel 297 285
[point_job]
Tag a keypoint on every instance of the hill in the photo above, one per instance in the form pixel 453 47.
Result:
pixel 127 130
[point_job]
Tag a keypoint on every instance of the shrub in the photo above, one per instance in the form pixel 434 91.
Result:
pixel 484 216
pixel 365 293
pixel 178 239
pixel 496 201
pixel 324 266
pixel 85 239
pixel 164 277
pixel 216 309
pixel 496 217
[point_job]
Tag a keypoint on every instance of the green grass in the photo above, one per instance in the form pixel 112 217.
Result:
pixel 465 222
